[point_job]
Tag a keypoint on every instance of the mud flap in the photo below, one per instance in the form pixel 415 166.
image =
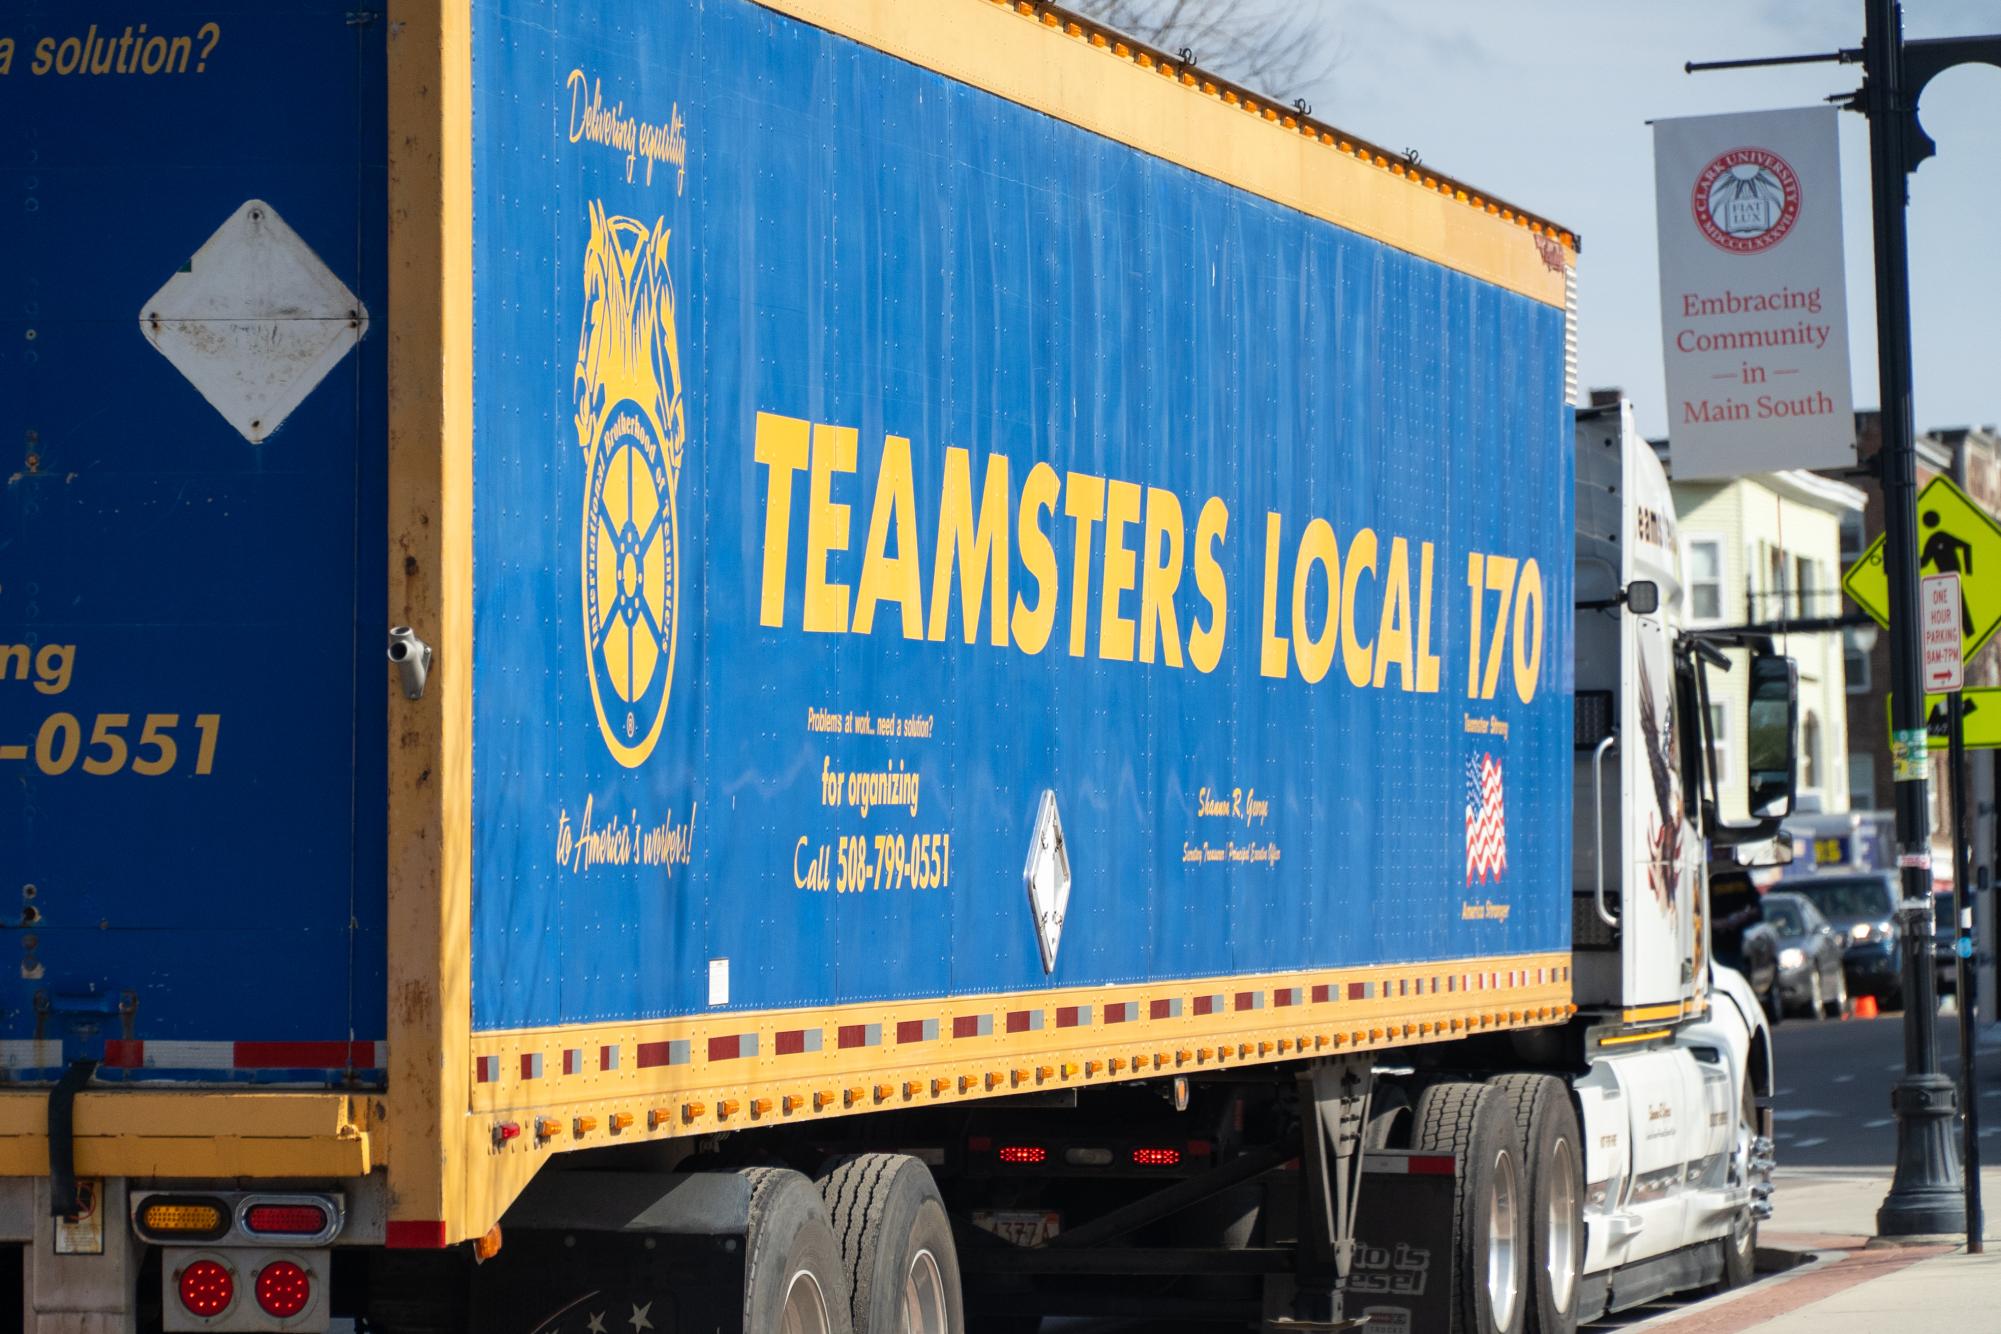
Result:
pixel 1401 1278
pixel 591 1251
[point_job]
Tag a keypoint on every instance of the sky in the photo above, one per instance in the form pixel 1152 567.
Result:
pixel 1546 103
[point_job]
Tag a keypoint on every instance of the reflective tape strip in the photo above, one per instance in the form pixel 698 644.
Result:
pixel 172 1054
pixel 30 1054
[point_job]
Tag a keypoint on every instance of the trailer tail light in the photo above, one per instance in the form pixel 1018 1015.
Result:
pixel 182 1218
pixel 286 1220
pixel 1023 1154
pixel 1156 1156
pixel 283 1289
pixel 207 1288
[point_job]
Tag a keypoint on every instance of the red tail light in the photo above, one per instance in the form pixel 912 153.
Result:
pixel 286 1220
pixel 207 1288
pixel 1156 1157
pixel 283 1289
pixel 1023 1153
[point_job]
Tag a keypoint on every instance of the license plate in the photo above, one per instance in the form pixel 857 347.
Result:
pixel 1020 1227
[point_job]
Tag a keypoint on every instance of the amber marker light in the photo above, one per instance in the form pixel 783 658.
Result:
pixel 620 1121
pixel 182 1219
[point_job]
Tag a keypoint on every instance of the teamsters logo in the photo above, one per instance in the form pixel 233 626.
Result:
pixel 1746 200
pixel 632 426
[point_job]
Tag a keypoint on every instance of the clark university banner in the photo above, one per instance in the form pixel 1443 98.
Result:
pixel 1754 316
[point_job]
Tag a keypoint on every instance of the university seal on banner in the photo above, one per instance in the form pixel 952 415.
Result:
pixel 632 427
pixel 1746 200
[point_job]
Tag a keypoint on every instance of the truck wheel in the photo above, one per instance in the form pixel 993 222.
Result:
pixel 896 1244
pixel 793 1282
pixel 1547 1124
pixel 1489 1208
pixel 1740 1244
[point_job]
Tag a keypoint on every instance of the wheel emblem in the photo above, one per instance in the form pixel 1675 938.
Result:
pixel 632 427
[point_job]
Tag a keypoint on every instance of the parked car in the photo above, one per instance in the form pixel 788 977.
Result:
pixel 1740 939
pixel 1810 978
pixel 1862 909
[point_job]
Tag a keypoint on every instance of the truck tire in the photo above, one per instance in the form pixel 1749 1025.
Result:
pixel 1489 1209
pixel 1740 1244
pixel 793 1280
pixel 896 1244
pixel 1553 1155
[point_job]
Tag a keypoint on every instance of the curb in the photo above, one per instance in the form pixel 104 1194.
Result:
pixel 1789 1266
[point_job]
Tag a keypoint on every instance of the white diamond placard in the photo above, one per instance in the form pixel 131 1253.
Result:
pixel 255 320
pixel 1047 877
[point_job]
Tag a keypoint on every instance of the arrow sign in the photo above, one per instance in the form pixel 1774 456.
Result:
pixel 1980 724
pixel 1955 536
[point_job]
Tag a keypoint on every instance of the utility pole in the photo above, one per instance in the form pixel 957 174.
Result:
pixel 1925 1195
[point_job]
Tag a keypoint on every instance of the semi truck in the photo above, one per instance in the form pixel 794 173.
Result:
pixel 1012 689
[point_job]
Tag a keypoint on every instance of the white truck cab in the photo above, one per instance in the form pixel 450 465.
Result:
pixel 1675 1101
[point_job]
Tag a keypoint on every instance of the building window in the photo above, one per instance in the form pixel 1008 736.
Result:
pixel 1719 742
pixel 1852 543
pixel 1705 579
pixel 1855 666
pixel 1806 583
pixel 1778 593
pixel 1812 765
pixel 1861 781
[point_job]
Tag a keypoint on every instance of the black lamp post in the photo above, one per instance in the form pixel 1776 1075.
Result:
pixel 1926 1194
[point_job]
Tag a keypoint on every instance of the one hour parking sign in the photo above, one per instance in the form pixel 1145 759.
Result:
pixel 1941 623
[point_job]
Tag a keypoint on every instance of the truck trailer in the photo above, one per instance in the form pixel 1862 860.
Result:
pixel 1012 689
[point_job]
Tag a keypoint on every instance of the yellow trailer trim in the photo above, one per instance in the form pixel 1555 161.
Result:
pixel 218 1133
pixel 430 589
pixel 518 1122
pixel 1061 64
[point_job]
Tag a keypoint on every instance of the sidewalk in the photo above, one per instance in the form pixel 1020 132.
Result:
pixel 1847 1285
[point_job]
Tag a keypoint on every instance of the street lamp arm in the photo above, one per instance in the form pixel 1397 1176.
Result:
pixel 1926 59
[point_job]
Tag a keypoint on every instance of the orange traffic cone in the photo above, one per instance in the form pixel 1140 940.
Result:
pixel 1865 1007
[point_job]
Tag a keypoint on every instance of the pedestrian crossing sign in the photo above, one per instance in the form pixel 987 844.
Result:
pixel 1955 536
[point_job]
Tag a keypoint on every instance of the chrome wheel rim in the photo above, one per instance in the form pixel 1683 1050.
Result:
pixel 923 1296
pixel 1503 1268
pixel 1560 1224
pixel 805 1310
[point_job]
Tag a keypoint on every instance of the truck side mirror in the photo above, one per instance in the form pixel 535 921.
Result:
pixel 1643 597
pixel 1772 736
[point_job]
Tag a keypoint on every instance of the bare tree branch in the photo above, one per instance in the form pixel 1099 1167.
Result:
pixel 1281 47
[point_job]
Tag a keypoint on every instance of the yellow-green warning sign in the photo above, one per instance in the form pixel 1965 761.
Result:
pixel 1954 536
pixel 1980 716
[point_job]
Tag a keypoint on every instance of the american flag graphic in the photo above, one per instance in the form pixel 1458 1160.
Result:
pixel 1486 820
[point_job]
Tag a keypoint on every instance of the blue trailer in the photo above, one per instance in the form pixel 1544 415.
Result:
pixel 936 560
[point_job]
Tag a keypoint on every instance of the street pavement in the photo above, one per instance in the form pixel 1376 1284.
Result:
pixel 1826 1272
